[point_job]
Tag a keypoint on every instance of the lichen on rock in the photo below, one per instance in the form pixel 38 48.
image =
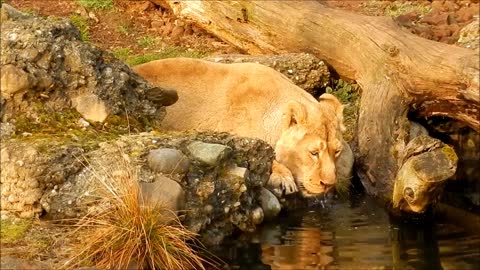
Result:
pixel 44 61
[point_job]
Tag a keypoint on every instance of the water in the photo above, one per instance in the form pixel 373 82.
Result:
pixel 355 234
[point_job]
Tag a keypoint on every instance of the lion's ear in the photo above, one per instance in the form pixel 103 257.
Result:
pixel 295 113
pixel 331 101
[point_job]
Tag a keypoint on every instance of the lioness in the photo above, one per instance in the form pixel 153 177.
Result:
pixel 253 100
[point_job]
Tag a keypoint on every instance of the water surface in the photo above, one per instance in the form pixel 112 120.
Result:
pixel 355 234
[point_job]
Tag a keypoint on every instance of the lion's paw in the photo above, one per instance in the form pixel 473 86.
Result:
pixel 282 182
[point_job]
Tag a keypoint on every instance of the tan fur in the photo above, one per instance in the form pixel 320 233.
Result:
pixel 253 100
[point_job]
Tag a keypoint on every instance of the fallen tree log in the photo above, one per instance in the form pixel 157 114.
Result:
pixel 398 71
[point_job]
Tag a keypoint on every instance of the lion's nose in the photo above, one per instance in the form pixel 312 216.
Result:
pixel 326 185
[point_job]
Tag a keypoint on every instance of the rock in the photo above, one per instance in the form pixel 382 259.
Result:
pixel 303 69
pixel 188 30
pixel 257 215
pixel 404 20
pixel 205 189
pixel 435 18
pixel 32 167
pixel 209 153
pixel 13 80
pixel 177 32
pixel 168 161
pixel 235 177
pixel 464 15
pixel 11 262
pixel 163 192
pixel 270 204
pixel 470 35
pixel 441 32
pixel 49 176
pixel 90 107
pixel 157 24
pixel 167 28
pixel 83 123
pixel 455 30
pixel 6 130
pixel 44 62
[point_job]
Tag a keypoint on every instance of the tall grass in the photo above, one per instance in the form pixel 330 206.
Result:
pixel 129 231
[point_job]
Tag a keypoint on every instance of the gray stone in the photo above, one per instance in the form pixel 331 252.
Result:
pixel 209 153
pixel 163 192
pixel 168 161
pixel 270 204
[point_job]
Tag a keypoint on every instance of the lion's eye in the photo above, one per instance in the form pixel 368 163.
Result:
pixel 337 152
pixel 314 153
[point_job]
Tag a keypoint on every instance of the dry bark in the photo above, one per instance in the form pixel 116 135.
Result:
pixel 398 71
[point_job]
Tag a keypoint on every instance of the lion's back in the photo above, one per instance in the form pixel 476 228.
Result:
pixel 242 98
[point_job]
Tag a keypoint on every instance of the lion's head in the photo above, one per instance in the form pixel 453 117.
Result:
pixel 310 143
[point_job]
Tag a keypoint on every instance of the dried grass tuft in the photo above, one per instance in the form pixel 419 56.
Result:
pixel 128 233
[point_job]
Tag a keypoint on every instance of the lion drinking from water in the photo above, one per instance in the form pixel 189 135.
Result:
pixel 253 100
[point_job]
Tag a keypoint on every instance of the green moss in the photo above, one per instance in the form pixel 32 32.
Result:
pixel 169 52
pixel 82 24
pixel 11 231
pixel 145 122
pixel 48 121
pixel 450 153
pixel 50 129
pixel 349 95
pixel 96 4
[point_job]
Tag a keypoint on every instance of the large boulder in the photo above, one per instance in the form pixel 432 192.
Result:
pixel 47 69
pixel 305 70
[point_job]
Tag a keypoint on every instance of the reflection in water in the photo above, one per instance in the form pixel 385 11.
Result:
pixel 352 235
pixel 414 246
pixel 303 248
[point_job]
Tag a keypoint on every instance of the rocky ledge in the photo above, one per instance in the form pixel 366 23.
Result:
pixel 215 180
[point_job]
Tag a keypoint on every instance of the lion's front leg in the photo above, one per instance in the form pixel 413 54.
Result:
pixel 281 180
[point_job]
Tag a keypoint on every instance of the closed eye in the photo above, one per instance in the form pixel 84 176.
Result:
pixel 314 153
pixel 337 152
